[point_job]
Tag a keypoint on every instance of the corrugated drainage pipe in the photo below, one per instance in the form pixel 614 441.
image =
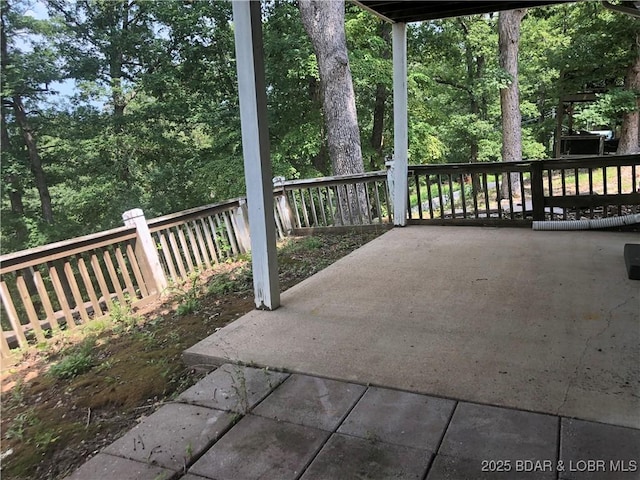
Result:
pixel 588 224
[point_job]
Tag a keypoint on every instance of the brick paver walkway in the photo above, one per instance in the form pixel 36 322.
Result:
pixel 247 423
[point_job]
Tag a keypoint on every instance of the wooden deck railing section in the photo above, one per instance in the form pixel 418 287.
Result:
pixel 200 237
pixel 68 283
pixel 65 284
pixel 346 200
pixel 557 189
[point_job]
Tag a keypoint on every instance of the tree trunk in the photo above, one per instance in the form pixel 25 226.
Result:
pixel 629 134
pixel 508 39
pixel 12 182
pixel 324 23
pixel 34 159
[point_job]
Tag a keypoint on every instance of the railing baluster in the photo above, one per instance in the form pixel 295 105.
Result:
pixel 427 179
pixel 440 196
pixel 176 253
pixel 14 320
pixel 367 202
pixel 619 168
pixel 323 212
pixel 184 247
pixel 203 247
pixel 332 211
pixel 32 315
pixel 339 203
pixel 86 279
pixel 102 283
pixel 510 190
pixel 523 196
pixel 378 206
pixel 416 177
pixel 313 208
pixel 193 244
pixel 209 232
pixel 304 208
pixel 279 229
pixel 61 296
pixel 486 194
pixel 462 196
pixel 498 185
pixel 295 209
pixel 452 198
pixel 115 281
pixel 44 298
pixel 124 271
pixel 75 292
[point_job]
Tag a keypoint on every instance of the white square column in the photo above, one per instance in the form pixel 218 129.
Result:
pixel 247 20
pixel 400 187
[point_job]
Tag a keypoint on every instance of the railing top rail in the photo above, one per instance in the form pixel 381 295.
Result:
pixel 484 167
pixel 336 180
pixel 525 165
pixel 173 218
pixel 54 251
pixel 586 162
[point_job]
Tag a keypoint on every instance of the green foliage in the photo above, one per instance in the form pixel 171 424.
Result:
pixel 154 120
pixel 188 294
pixel 239 279
pixel 609 105
pixel 122 315
pixel 76 362
pixel 19 425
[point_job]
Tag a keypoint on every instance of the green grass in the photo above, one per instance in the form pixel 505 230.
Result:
pixel 76 362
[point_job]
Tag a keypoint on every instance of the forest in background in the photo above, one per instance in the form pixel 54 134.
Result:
pixel 154 120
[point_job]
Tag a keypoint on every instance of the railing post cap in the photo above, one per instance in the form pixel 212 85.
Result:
pixel 133 213
pixel 279 180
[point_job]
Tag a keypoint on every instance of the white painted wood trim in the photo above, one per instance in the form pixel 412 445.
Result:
pixel 255 147
pixel 146 250
pixel 400 124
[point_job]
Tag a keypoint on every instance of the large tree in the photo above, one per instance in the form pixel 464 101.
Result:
pixel 508 40
pixel 324 23
pixel 25 78
pixel 630 133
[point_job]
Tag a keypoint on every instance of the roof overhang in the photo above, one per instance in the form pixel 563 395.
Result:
pixel 418 11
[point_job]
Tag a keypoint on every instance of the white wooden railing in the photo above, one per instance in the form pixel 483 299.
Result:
pixel 65 284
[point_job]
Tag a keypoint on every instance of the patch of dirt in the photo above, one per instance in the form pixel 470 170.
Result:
pixel 112 374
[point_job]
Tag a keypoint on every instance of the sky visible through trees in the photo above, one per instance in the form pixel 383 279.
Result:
pixel 133 103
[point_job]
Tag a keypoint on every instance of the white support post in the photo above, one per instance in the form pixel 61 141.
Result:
pixel 400 125
pixel 145 250
pixel 247 21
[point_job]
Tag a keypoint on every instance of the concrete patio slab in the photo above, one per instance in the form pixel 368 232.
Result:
pixel 234 388
pixel 186 432
pixel 399 418
pixel 615 451
pixel 311 401
pixel 352 457
pixel 262 448
pixel 541 321
pixel 107 466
